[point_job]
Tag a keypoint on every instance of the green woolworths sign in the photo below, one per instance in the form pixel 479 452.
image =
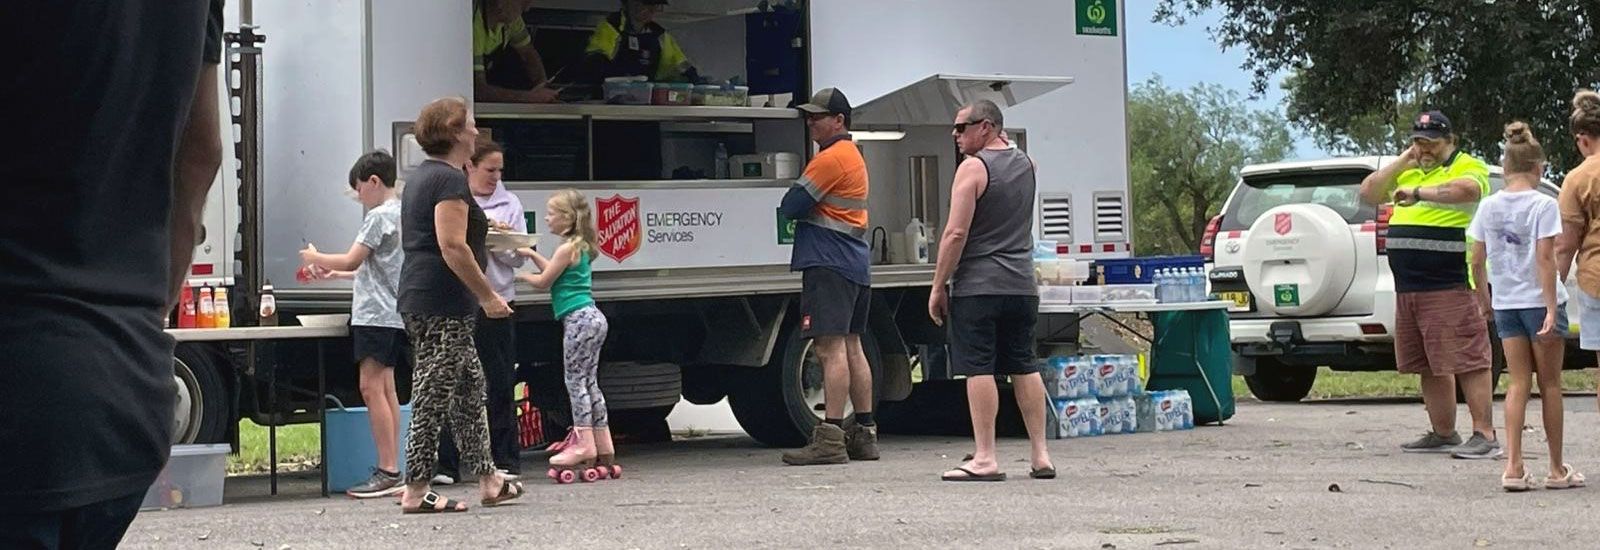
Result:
pixel 1097 17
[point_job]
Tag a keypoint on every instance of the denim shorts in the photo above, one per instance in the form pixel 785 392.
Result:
pixel 1525 323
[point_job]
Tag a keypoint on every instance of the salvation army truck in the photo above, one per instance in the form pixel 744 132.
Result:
pixel 693 265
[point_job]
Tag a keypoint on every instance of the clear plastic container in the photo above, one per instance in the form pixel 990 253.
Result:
pixel 628 91
pixel 737 96
pixel 701 91
pixel 667 93
pixel 1088 294
pixel 1130 293
pixel 192 479
pixel 1055 294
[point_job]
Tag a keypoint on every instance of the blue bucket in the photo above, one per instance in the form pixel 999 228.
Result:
pixel 351 453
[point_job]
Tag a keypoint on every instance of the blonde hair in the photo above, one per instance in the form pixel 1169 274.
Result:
pixel 573 205
pixel 1523 154
pixel 1585 119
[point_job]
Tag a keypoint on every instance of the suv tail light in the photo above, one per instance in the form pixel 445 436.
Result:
pixel 1208 242
pixel 1382 237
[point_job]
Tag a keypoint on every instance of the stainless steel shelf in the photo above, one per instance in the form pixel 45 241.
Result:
pixel 601 111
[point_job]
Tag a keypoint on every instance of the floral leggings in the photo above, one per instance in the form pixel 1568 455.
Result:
pixel 585 332
pixel 447 387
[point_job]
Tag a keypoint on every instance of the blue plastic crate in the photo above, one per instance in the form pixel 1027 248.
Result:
pixel 1127 271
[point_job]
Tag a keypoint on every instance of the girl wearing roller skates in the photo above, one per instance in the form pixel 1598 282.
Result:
pixel 590 455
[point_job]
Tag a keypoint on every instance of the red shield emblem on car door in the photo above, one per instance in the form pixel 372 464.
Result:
pixel 617 219
pixel 1283 223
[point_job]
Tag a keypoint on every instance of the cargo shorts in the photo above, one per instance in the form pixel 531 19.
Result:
pixel 1440 333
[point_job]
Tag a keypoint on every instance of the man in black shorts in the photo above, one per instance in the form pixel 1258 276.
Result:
pixel 986 257
pixel 113 112
pixel 829 206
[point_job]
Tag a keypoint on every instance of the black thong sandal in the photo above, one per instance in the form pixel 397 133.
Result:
pixel 1047 472
pixel 973 476
pixel 430 505
pixel 505 494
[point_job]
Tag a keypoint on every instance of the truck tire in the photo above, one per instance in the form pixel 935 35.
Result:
pixel 202 411
pixel 777 404
pixel 1280 383
pixel 628 385
pixel 706 384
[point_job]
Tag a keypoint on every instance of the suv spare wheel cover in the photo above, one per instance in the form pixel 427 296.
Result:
pixel 1299 260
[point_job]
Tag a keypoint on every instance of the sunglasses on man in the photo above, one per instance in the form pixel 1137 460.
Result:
pixel 961 127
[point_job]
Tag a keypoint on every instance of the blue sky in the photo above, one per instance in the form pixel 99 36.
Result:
pixel 1186 55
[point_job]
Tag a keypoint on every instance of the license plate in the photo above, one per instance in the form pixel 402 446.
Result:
pixel 1241 300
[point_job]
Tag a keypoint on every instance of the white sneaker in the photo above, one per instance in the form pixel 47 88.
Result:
pixel 441 479
pixel 509 476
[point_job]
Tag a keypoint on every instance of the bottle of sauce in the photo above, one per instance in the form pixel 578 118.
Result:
pixel 269 307
pixel 207 316
pixel 186 307
pixel 221 313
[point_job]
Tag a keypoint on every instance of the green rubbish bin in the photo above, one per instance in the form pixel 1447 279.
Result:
pixel 1190 351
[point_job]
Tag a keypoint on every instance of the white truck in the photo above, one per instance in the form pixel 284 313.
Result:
pixel 693 272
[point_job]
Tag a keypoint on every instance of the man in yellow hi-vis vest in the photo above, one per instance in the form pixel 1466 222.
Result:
pixel 1441 327
pixel 631 43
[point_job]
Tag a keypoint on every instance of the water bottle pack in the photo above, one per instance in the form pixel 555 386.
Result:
pixel 1073 378
pixel 1172 410
pixel 1180 285
pixel 1078 417
pixel 1118 415
pixel 1115 375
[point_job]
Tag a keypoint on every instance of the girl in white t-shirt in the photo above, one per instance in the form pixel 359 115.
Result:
pixel 1515 230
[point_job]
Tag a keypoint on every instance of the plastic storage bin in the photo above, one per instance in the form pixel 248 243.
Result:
pixel 666 93
pixel 192 479
pixel 1140 270
pixel 1088 294
pixel 627 91
pixel 698 96
pixel 1055 294
pixel 737 96
pixel 1145 294
pixel 351 453
pixel 1061 272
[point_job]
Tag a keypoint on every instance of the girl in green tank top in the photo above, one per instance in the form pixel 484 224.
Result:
pixel 567 274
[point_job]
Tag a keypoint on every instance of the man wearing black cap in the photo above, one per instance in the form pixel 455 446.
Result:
pixel 829 206
pixel 1441 327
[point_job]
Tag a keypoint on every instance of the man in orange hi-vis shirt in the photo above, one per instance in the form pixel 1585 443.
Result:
pixel 829 205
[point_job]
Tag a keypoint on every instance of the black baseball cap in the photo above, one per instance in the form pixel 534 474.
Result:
pixel 829 101
pixel 1431 125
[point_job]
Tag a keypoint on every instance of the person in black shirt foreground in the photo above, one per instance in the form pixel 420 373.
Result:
pixel 115 140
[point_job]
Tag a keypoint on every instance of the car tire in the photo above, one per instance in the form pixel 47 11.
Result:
pixel 1277 382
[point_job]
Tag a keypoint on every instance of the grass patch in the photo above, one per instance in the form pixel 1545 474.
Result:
pixel 298 448
pixel 1339 385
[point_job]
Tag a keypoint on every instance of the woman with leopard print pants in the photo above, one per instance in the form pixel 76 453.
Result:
pixel 442 286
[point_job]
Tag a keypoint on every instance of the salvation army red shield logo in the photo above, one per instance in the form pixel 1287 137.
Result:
pixel 617 219
pixel 1283 223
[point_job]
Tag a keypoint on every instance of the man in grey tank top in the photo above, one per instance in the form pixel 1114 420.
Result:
pixel 985 255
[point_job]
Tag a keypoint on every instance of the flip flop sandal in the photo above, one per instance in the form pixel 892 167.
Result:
pixel 974 476
pixel 1572 480
pixel 505 494
pixel 1517 484
pixel 430 505
pixel 1043 473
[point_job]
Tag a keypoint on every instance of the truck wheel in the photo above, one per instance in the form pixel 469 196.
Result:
pixel 1277 382
pixel 629 386
pixel 706 384
pixel 780 403
pixel 201 413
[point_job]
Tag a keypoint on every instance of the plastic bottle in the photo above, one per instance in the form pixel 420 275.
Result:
pixel 1160 279
pixel 721 160
pixel 222 315
pixel 1191 285
pixel 186 307
pixel 207 315
pixel 917 241
pixel 269 307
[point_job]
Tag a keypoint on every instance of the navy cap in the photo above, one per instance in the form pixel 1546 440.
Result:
pixel 1431 125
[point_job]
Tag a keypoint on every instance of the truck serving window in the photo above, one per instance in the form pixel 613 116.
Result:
pixel 1340 191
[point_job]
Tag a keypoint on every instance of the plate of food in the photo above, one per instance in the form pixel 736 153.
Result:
pixel 499 240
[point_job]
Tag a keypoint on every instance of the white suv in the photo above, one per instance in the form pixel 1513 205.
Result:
pixel 1303 260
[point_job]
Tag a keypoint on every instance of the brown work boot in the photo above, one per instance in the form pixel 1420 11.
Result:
pixel 861 442
pixel 826 447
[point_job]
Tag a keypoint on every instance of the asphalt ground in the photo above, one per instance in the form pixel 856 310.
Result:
pixel 1309 475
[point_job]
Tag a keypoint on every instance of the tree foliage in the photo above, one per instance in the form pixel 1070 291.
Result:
pixel 1187 149
pixel 1356 63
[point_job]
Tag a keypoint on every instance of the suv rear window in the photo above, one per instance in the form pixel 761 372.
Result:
pixel 1340 191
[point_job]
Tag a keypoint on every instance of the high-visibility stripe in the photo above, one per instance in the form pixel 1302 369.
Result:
pixel 836 225
pixel 1426 245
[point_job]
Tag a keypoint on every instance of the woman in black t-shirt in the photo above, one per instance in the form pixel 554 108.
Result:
pixel 442 286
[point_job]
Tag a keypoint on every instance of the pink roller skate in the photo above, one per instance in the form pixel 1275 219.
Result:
pixel 606 455
pixel 576 461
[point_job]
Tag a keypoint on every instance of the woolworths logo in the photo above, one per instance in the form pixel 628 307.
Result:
pixel 1097 17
